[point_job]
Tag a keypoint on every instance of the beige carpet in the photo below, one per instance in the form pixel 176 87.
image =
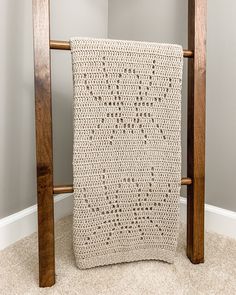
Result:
pixel 19 272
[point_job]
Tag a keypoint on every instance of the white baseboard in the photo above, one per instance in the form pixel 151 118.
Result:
pixel 24 223
pixel 218 220
pixel 21 224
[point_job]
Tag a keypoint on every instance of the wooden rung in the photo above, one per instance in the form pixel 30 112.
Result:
pixel 65 45
pixel 61 45
pixel 62 189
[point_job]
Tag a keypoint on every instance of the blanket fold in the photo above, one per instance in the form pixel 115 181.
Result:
pixel 126 151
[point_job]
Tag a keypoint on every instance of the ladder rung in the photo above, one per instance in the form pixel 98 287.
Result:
pixel 62 189
pixel 65 45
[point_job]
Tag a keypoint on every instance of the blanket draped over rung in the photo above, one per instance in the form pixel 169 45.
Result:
pixel 126 150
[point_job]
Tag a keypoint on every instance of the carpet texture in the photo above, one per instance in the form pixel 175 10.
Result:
pixel 126 151
pixel 19 270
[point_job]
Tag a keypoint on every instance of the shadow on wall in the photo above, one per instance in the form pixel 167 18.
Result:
pixel 62 97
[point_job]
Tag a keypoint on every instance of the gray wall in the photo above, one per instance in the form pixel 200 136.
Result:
pixel 17 137
pixel 17 146
pixel 166 21
pixel 221 104
pixel 152 20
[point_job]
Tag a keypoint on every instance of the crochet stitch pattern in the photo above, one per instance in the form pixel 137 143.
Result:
pixel 126 150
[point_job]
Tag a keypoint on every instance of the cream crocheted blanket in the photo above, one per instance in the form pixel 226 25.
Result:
pixel 127 150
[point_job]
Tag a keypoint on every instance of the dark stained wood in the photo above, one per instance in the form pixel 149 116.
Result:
pixel 44 143
pixel 196 135
pixel 196 129
pixel 65 45
pixel 63 189
pixel 188 53
pixel 60 45
pixel 68 188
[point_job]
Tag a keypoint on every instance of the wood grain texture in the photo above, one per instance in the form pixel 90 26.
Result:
pixel 44 143
pixel 196 135
pixel 196 129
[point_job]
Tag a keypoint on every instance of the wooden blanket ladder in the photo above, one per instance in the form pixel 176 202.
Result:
pixel 196 55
